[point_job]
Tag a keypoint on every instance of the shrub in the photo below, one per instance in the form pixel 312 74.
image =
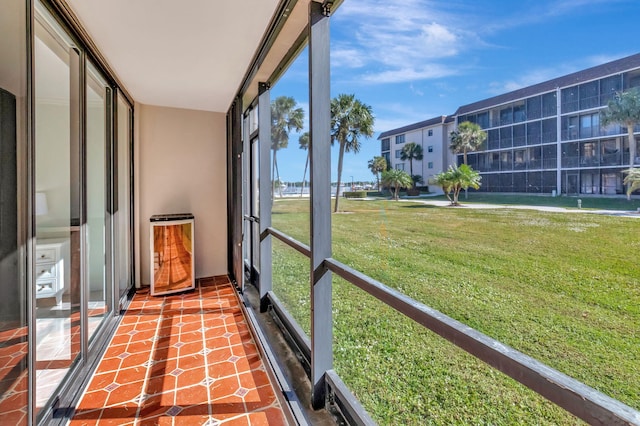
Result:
pixel 355 194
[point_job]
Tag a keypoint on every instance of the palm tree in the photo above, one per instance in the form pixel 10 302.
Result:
pixel 377 165
pixel 467 137
pixel 350 120
pixel 632 180
pixel 455 179
pixel 285 117
pixel 396 179
pixel 303 140
pixel 624 109
pixel 411 151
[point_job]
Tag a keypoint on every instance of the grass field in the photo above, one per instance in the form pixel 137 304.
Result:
pixel 563 288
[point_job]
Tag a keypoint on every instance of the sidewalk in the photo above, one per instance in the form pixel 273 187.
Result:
pixel 445 203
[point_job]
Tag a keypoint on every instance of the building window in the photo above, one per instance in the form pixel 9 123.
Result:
pixel 519 112
pixel 570 127
pixel 430 165
pixel 549 131
pixel 534 108
pixel 589 125
pixel 385 144
pixel 589 95
pixel 608 88
pixel 483 119
pixel 430 132
pixel 387 157
pixel 399 139
pixel 570 99
pixel 506 116
pixel 398 153
pixel 534 133
pixel 430 147
pixel 493 139
pixel 549 104
pixel 400 166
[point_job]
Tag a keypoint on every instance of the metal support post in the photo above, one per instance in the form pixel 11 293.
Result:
pixel 320 160
pixel 265 201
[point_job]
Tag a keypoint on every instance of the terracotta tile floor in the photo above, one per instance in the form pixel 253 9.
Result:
pixel 182 360
pixel 13 374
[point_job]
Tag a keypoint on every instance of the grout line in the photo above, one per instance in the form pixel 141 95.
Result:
pixel 204 352
pixel 149 367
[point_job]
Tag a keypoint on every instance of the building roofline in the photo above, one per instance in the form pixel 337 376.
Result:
pixel 442 119
pixel 599 71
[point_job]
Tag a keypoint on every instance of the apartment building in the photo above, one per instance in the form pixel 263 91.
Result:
pixel 548 137
pixel 432 135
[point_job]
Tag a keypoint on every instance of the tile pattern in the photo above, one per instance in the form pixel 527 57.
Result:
pixel 13 374
pixel 184 359
pixel 54 339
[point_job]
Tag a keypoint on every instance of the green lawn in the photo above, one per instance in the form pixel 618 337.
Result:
pixel 563 288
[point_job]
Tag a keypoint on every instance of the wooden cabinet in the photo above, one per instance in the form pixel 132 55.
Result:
pixel 172 263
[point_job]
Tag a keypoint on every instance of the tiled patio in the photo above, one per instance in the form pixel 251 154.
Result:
pixel 185 359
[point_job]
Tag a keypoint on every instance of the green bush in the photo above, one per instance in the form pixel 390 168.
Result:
pixel 355 194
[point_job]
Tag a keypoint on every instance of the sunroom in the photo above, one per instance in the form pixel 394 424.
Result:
pixel 115 112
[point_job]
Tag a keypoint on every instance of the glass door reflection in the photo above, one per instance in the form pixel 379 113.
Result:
pixel 57 182
pixel 98 286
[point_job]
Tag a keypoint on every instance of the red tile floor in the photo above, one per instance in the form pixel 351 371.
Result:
pixel 13 374
pixel 186 359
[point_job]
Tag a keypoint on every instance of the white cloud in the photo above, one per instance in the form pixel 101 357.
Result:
pixel 402 40
pixel 529 78
pixel 348 58
pixel 414 40
pixel 404 74
pixel 398 115
pixel 416 91
pixel 541 75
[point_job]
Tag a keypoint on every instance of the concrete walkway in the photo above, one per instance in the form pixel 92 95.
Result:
pixel 445 203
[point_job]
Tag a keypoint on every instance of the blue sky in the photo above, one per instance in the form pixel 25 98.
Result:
pixel 416 59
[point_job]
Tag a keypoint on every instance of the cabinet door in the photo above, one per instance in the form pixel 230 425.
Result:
pixel 172 257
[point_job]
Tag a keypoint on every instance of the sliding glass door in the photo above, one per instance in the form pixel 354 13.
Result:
pixel 82 211
pixel 65 211
pixel 122 202
pixel 98 276
pixel 58 268
pixel 14 318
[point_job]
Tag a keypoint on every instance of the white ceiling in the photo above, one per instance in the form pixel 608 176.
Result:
pixel 185 54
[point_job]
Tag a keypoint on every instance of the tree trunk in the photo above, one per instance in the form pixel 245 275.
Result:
pixel 378 180
pixel 413 184
pixel 276 176
pixel 456 195
pixel 342 146
pixel 304 174
pixel 273 174
pixel 465 163
pixel 632 145
pixel 464 156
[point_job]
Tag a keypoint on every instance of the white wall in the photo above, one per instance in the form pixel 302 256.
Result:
pixel 441 157
pixel 181 159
